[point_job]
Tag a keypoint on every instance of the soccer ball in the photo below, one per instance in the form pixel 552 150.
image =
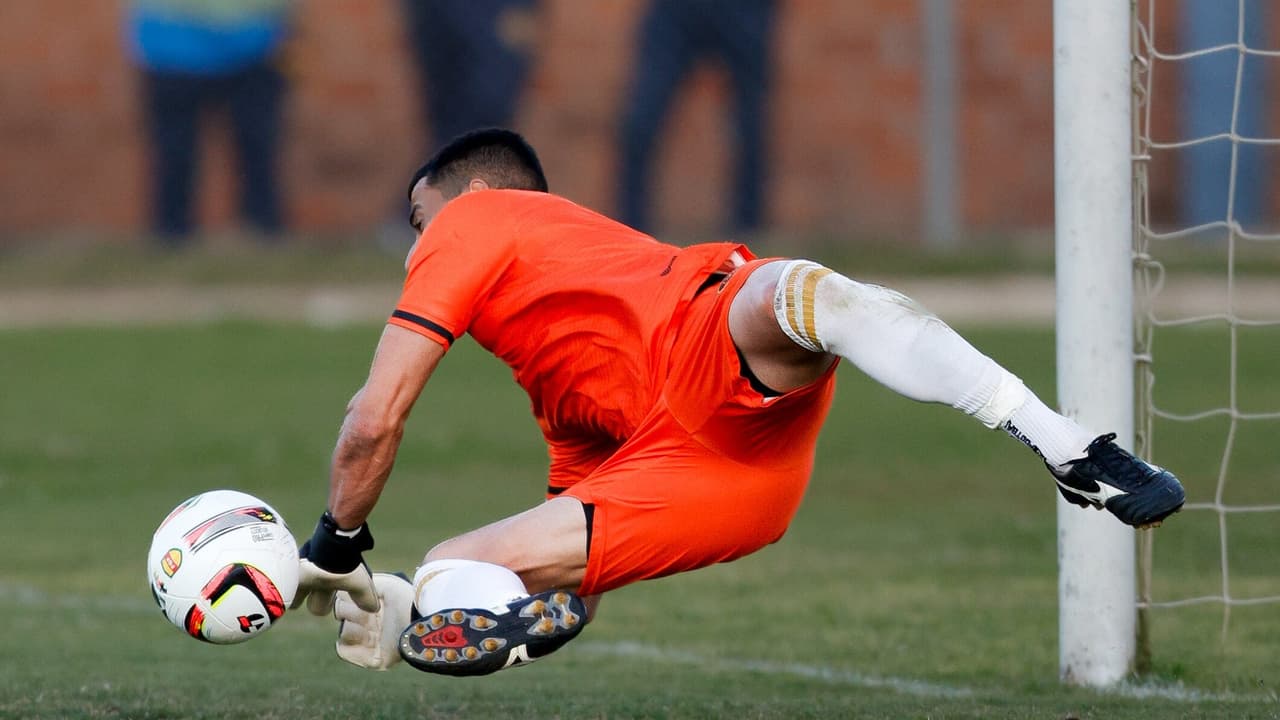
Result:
pixel 223 566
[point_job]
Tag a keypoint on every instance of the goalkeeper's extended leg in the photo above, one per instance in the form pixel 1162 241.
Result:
pixel 909 350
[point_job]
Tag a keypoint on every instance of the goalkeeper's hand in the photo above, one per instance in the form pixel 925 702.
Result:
pixel 331 561
pixel 372 639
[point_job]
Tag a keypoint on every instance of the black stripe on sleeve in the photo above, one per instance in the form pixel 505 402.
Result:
pixel 553 490
pixel 419 320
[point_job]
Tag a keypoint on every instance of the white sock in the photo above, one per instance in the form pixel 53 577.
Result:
pixel 1054 437
pixel 909 350
pixel 445 584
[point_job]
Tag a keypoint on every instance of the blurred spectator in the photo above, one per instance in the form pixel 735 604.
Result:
pixel 1210 106
pixel 674 36
pixel 472 59
pixel 200 55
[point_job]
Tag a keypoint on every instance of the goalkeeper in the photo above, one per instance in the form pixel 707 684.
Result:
pixel 680 392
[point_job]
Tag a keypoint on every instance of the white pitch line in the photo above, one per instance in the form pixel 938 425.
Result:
pixel 1178 692
pixel 905 686
pixel 29 596
pixel 834 676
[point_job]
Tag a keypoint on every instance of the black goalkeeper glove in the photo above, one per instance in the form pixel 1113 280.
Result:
pixel 331 561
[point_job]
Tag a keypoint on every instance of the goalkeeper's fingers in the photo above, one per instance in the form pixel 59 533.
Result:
pixel 361 640
pixel 356 643
pixel 316 587
pixel 372 640
pixel 363 593
pixel 317 601
pixel 352 632
pixel 320 602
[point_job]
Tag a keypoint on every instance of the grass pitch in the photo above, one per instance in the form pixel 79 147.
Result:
pixel 919 579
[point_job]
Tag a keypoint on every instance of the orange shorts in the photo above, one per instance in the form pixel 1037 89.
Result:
pixel 714 471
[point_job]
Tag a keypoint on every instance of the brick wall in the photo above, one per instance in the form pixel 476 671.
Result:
pixel 845 117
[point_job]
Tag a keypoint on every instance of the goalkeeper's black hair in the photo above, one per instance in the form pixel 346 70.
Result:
pixel 500 157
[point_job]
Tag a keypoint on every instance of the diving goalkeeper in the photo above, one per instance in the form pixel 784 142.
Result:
pixel 680 392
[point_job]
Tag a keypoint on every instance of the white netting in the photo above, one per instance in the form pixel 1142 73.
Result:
pixel 1235 312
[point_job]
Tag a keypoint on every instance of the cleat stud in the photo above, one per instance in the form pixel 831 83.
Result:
pixel 570 620
pixel 491 644
pixel 451 655
pixel 544 626
pixel 420 628
pixel 437 620
pixel 562 598
pixel 471 652
pixel 537 607
pixel 457 616
pixel 480 622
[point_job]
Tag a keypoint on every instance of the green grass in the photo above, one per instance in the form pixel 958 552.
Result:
pixel 918 581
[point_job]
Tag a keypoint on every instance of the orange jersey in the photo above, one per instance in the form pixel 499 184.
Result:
pixel 580 307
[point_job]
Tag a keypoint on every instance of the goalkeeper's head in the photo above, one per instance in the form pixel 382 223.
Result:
pixel 499 158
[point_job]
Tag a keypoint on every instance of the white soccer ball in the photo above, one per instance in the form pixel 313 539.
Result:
pixel 223 566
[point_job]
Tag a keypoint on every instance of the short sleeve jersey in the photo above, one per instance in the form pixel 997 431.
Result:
pixel 580 307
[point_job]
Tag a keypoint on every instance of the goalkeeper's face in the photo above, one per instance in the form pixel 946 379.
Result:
pixel 424 202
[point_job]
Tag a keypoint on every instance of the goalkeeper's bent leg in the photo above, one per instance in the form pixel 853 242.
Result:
pixel 912 352
pixel 475 618
pixel 464 583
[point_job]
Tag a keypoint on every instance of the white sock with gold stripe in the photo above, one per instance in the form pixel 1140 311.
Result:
pixel 909 350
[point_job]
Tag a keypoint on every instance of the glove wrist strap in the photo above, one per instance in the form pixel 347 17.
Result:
pixel 335 550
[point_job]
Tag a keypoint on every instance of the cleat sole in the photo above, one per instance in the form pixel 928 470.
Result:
pixel 479 642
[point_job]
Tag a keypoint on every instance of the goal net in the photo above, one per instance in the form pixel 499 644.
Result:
pixel 1207 329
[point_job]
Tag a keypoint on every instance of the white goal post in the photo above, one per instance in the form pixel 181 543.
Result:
pixel 1093 220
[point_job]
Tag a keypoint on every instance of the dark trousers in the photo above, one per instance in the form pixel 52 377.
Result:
pixel 471 75
pixel 175 105
pixel 674 36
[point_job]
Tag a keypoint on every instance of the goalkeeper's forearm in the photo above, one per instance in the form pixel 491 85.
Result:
pixel 362 462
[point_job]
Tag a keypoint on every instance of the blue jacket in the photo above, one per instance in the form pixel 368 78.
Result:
pixel 205 37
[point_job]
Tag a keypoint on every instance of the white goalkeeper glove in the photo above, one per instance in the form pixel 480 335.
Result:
pixel 331 561
pixel 372 639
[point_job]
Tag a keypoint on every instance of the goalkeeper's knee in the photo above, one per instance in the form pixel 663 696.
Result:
pixel 813 304
pixel 893 340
